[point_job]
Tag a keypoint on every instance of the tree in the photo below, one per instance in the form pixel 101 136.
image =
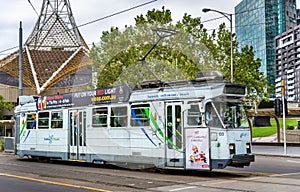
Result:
pixel 4 105
pixel 245 65
pixel 178 57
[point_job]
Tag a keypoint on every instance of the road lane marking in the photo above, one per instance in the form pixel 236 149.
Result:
pixel 183 188
pixel 285 174
pixel 252 178
pixel 292 161
pixel 53 182
pixel 218 182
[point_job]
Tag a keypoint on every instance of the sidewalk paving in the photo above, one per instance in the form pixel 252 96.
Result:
pixel 272 138
pixel 276 150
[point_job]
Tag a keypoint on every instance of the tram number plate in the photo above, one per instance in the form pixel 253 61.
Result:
pixel 221 134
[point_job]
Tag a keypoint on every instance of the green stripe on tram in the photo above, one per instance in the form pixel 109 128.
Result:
pixel 150 115
pixel 23 128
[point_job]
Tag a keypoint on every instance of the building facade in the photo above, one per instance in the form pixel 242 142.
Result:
pixel 258 22
pixel 287 60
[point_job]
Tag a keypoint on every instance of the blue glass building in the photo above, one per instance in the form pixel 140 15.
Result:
pixel 258 22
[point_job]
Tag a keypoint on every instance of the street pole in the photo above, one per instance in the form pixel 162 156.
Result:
pixel 20 59
pixel 229 17
pixel 283 118
pixel 231 50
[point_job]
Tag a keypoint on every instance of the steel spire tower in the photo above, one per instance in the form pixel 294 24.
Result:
pixel 53 52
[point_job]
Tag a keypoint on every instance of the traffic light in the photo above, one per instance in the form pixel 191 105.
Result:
pixel 286 107
pixel 278 106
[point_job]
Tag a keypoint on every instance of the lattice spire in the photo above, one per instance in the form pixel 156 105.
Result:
pixel 55 27
pixel 54 52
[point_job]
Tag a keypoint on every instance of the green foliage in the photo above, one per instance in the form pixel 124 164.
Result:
pixel 4 105
pixel 245 66
pixel 192 49
pixel 163 17
pixel 290 127
pixel 117 60
pixel 1 145
pixel 289 122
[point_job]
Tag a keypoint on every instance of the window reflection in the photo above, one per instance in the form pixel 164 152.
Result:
pixel 231 114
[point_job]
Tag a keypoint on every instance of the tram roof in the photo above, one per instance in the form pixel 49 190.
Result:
pixel 151 90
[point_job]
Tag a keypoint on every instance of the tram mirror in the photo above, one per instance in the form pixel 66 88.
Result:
pixel 201 108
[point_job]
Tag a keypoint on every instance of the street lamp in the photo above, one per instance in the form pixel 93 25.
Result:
pixel 229 17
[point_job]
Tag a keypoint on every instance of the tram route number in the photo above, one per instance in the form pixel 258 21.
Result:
pixel 104 98
pixel 221 134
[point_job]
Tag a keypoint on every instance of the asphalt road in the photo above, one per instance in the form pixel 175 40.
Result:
pixel 272 165
pixel 268 173
pixel 13 183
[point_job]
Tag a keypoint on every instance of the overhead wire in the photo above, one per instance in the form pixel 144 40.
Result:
pixel 245 11
pixel 8 49
pixel 96 20
pixel 117 13
pixel 146 3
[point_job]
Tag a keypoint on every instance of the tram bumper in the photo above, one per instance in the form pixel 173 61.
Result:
pixel 241 160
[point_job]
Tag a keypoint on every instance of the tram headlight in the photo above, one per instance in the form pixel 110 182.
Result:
pixel 232 148
pixel 248 147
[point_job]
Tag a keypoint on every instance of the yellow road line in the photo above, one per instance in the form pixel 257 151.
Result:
pixel 53 183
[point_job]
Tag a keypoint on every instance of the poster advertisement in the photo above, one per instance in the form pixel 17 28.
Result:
pixel 55 101
pixel 113 94
pixel 197 148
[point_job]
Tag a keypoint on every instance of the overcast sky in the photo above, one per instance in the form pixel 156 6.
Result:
pixel 14 11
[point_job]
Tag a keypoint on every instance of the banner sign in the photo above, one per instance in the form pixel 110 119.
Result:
pixel 84 98
pixel 197 148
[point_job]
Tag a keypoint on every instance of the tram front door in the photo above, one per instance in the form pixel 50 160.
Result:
pixel 174 137
pixel 77 125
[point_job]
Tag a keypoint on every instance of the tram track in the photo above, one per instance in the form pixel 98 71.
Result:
pixel 149 180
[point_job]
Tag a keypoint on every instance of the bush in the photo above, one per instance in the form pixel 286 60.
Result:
pixel 1 144
pixel 290 127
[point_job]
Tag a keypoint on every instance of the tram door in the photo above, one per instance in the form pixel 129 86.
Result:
pixel 174 137
pixel 77 125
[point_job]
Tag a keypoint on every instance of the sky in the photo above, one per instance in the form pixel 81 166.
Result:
pixel 84 11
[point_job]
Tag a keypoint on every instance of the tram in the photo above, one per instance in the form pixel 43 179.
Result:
pixel 198 124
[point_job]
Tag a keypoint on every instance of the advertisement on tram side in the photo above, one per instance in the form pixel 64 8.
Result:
pixel 197 148
pixel 84 98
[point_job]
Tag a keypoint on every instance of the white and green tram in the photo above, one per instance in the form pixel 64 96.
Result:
pixel 199 125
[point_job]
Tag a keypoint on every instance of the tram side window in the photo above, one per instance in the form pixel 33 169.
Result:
pixel 31 121
pixel 118 117
pixel 140 115
pixel 56 120
pixel 194 115
pixel 100 117
pixel 43 120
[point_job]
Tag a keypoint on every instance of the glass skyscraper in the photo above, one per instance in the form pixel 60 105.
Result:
pixel 258 22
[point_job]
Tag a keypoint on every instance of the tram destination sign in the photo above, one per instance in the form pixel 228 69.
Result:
pixel 112 94
pixel 235 89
